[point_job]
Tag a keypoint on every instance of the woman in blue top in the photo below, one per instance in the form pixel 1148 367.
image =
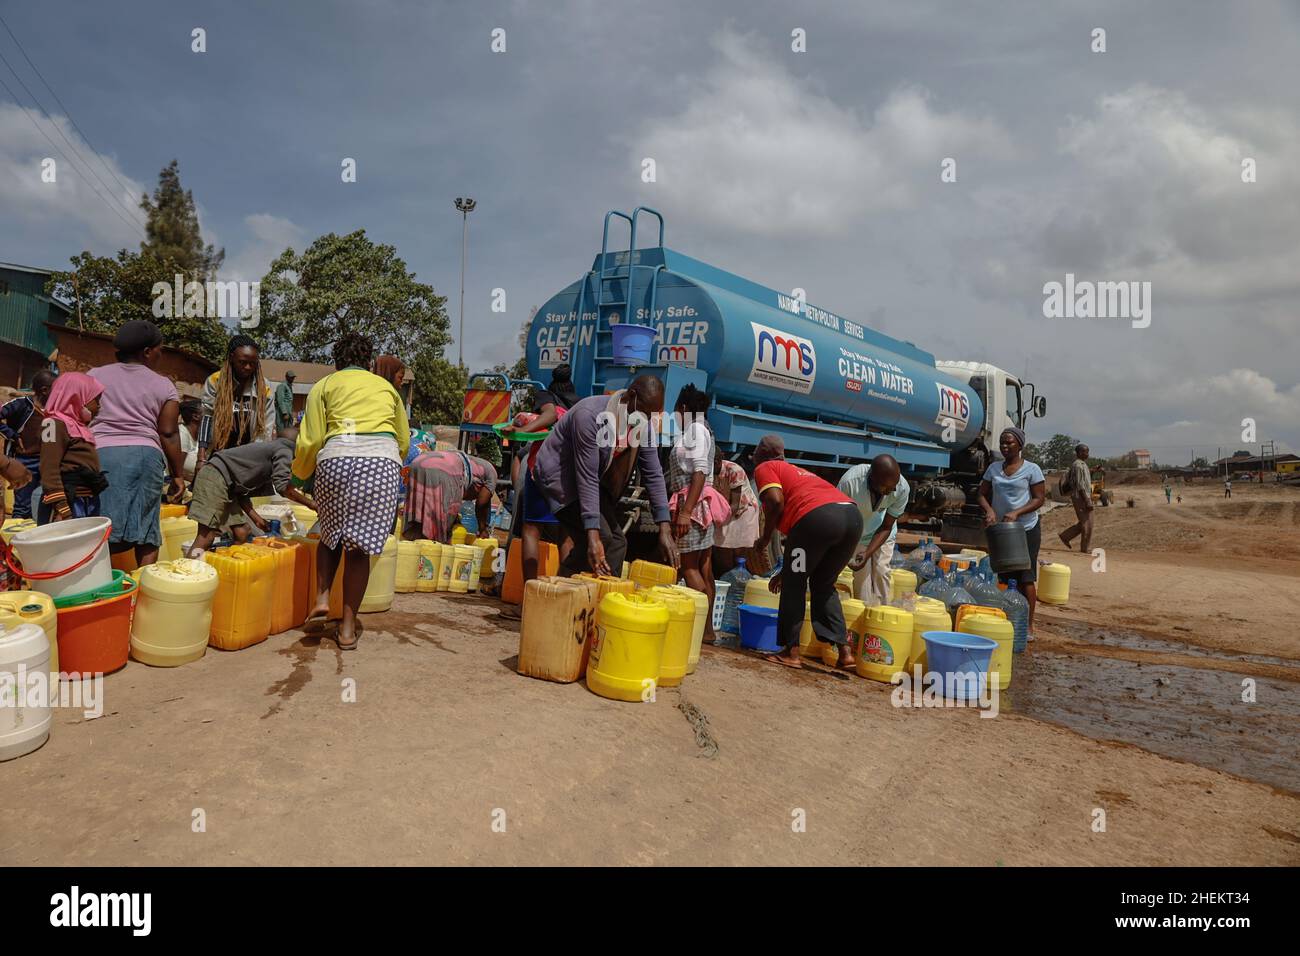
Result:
pixel 1013 490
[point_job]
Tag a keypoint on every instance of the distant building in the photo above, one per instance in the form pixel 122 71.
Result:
pixel 1142 457
pixel 80 351
pixel 1245 462
pixel 26 315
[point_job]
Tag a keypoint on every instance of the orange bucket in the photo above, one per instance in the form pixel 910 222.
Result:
pixel 96 638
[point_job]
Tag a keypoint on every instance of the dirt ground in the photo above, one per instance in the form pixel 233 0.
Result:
pixel 448 756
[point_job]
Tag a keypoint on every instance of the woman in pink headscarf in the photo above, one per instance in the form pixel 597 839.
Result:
pixel 70 477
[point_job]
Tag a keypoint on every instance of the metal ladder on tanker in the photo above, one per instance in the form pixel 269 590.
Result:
pixel 605 307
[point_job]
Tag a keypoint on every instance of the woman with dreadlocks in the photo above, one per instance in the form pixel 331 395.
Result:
pixel 238 404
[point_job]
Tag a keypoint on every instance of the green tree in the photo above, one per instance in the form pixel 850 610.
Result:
pixel 1054 454
pixel 350 284
pixel 439 395
pixel 172 228
pixel 107 292
pixel 1200 463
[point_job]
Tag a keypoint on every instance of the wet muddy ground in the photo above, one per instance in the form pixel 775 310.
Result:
pixel 1238 713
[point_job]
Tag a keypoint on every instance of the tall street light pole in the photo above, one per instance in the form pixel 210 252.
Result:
pixel 466 206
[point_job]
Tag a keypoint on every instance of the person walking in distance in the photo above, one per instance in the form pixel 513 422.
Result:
pixel 1078 485
pixel 1227 487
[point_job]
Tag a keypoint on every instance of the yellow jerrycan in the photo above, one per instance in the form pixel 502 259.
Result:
pixel 647 574
pixel 701 601
pixel 677 638
pixel 886 644
pixel 930 615
pixel 426 578
pixel 1054 583
pixel 34 607
pixel 241 608
pixel 757 594
pixel 608 583
pixel 408 567
pixel 173 613
pixel 901 581
pixel 992 623
pixel 462 568
pixel 628 647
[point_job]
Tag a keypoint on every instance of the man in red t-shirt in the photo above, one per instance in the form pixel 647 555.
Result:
pixel 822 526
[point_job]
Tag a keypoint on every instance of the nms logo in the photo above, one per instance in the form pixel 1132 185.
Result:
pixel 782 360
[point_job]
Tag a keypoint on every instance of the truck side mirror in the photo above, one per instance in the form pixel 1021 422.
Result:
pixel 1040 406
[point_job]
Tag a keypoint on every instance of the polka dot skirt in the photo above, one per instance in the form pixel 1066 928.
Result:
pixel 356 501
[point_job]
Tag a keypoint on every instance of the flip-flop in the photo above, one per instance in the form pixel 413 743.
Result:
pixel 356 639
pixel 783 661
pixel 511 612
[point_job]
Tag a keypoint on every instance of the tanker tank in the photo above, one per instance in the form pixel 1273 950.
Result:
pixel 770 361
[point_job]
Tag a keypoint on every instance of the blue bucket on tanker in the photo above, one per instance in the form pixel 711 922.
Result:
pixel 758 628
pixel 962 659
pixel 633 344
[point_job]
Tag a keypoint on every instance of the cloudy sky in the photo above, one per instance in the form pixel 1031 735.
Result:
pixel 816 169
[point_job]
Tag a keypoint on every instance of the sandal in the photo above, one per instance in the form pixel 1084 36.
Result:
pixel 356 639
pixel 784 661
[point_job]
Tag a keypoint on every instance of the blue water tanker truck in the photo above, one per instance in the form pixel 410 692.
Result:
pixel 837 391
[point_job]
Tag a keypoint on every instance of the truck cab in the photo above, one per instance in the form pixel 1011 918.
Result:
pixel 1007 399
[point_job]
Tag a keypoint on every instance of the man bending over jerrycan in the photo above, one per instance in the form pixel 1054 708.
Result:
pixel 880 491
pixel 233 476
pixel 585 464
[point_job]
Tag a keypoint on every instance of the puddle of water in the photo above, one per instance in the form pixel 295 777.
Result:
pixel 1082 633
pixel 1191 714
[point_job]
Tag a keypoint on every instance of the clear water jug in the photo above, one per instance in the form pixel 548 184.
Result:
pixel 737 577
pixel 1017 611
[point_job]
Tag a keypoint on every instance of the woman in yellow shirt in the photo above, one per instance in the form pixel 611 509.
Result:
pixel 353 437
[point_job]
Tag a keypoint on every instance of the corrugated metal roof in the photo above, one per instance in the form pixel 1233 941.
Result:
pixel 25 309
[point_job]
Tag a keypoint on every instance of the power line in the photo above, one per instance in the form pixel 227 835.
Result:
pixel 66 112
pixel 137 223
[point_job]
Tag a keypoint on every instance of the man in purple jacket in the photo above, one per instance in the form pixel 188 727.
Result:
pixel 584 465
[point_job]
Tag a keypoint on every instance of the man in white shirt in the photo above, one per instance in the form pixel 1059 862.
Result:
pixel 880 492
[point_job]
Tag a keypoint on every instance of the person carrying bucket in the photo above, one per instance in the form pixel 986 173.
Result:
pixel 71 481
pixel 1013 490
pixel 822 528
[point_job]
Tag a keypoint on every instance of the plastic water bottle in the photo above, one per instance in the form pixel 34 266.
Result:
pixel 926 571
pixel 1017 609
pixel 936 587
pixel 737 577
pixel 986 594
pixel 957 596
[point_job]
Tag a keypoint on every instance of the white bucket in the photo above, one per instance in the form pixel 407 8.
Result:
pixel 720 589
pixel 61 544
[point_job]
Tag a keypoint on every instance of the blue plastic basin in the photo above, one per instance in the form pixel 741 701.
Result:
pixel 962 660
pixel 758 628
